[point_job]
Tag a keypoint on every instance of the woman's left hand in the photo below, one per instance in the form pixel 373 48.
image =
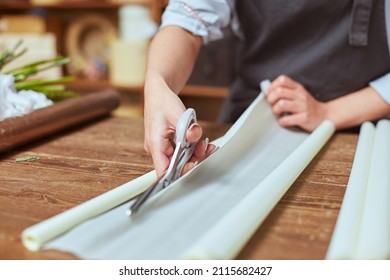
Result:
pixel 294 105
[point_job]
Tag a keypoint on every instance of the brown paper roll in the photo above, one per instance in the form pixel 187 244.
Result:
pixel 17 131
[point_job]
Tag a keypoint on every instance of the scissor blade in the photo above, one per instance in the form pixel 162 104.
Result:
pixel 154 188
pixel 182 153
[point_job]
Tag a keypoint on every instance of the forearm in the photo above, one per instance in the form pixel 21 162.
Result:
pixel 172 55
pixel 353 109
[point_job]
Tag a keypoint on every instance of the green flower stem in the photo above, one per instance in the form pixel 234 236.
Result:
pixel 22 72
pixel 60 95
pixel 52 88
pixel 33 83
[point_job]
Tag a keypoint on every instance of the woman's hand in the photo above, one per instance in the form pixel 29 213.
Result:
pixel 294 105
pixel 172 54
pixel 163 109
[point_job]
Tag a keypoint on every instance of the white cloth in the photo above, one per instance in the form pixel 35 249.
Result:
pixel 13 103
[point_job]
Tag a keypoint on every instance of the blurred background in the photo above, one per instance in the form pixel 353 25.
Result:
pixel 107 41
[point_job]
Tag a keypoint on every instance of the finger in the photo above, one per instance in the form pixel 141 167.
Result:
pixel 287 106
pixel 202 151
pixel 162 148
pixel 283 81
pixel 279 93
pixel 161 152
pixel 194 133
pixel 198 156
pixel 211 149
pixel 294 120
pixel 188 166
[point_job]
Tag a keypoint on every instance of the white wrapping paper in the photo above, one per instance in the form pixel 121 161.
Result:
pixel 346 233
pixel 374 236
pixel 363 227
pixel 252 210
pixel 169 225
pixel 34 237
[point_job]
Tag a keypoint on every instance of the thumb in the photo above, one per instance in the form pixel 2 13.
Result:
pixel 194 133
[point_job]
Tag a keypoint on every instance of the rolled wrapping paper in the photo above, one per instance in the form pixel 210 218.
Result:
pixel 374 238
pixel 21 130
pixel 346 232
pixel 230 234
pixel 75 237
pixel 34 237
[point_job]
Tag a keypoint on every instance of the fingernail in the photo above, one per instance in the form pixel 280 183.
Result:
pixel 207 144
pixel 214 150
pixel 264 86
pixel 190 166
pixel 192 126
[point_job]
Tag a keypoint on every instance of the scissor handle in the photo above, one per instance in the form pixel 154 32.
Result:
pixel 184 123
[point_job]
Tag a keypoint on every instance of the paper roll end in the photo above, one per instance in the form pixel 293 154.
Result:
pixel 329 124
pixel 333 255
pixel 30 241
pixel 264 85
pixel 199 254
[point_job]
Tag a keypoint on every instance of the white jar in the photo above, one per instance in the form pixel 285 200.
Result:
pixel 135 23
pixel 129 53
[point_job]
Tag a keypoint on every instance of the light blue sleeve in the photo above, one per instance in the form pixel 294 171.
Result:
pixel 387 18
pixel 382 86
pixel 201 17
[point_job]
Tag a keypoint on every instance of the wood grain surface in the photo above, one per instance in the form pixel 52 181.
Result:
pixel 79 164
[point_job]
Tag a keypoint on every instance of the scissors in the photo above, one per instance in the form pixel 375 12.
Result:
pixel 181 155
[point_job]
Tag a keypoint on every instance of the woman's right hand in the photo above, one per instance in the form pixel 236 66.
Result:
pixel 163 109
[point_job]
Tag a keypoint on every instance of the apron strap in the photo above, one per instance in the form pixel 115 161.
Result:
pixel 360 21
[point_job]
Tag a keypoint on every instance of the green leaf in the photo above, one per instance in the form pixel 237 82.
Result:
pixel 21 159
pixel 8 56
pixel 48 88
pixel 52 88
pixel 22 72
pixel 32 83
pixel 60 95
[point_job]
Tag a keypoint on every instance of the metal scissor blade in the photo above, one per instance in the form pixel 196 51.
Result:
pixel 184 156
pixel 182 153
pixel 156 187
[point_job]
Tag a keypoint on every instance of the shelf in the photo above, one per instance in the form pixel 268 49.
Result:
pixel 205 91
pixel 94 85
pixel 189 90
pixel 15 5
pixel 61 12
pixel 12 6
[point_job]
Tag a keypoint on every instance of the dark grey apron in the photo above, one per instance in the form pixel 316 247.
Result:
pixel 331 47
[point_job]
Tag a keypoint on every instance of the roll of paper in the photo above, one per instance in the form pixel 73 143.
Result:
pixel 346 233
pixel 374 238
pixel 34 237
pixel 250 162
pixel 244 219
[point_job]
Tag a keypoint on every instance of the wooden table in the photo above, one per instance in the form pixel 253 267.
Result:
pixel 81 163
